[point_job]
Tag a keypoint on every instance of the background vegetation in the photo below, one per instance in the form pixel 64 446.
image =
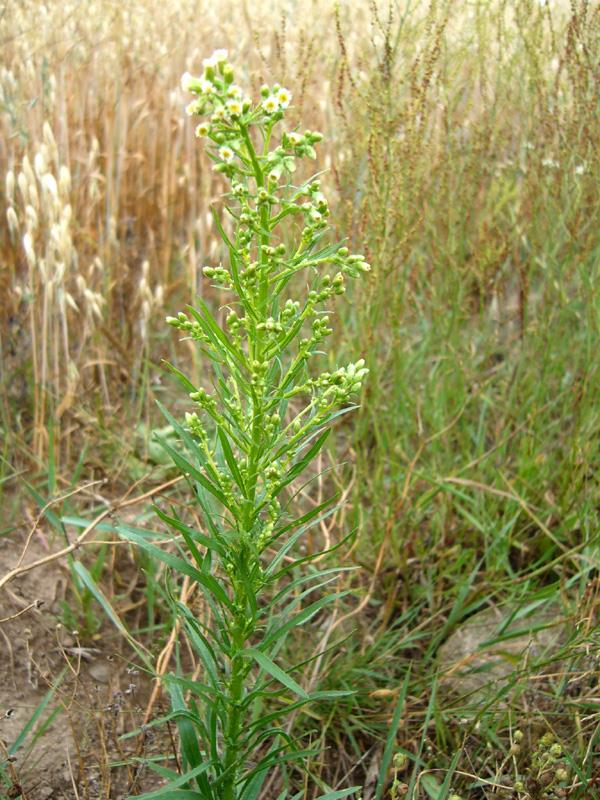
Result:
pixel 462 155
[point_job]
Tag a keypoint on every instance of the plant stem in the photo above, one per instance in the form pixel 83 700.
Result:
pixel 262 309
pixel 240 631
pixel 236 687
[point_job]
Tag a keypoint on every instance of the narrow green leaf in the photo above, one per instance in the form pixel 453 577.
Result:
pixel 302 463
pixel 187 468
pixel 187 736
pixel 183 379
pixel 39 710
pixel 390 742
pixel 300 618
pixel 90 583
pixel 172 791
pixel 171 794
pixel 188 533
pixel 432 786
pixel 337 795
pixel 231 461
pixel 206 580
pixel 276 672
pixel 51 459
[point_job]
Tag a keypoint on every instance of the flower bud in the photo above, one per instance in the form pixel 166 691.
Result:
pixel 190 84
pixel 400 761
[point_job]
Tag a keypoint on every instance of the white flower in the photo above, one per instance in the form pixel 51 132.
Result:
pixel 203 129
pixel 226 153
pixel 580 169
pixel 284 97
pixel 206 87
pixel 234 107
pixel 271 104
pixel 187 81
pixel 234 91
pixel 192 108
pixel 220 113
pixel 550 163
pixel 219 56
pixel 295 138
pixel 209 63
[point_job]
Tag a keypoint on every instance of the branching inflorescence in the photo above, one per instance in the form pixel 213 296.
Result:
pixel 256 429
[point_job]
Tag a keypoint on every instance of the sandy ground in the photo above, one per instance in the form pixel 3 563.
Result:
pixel 95 694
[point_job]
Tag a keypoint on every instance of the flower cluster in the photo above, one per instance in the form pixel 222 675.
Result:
pixel 339 385
pixel 263 327
pixel 547 766
pixel 225 105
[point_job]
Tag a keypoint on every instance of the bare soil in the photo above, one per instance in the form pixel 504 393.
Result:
pixel 72 748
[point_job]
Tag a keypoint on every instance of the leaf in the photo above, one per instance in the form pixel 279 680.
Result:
pixel 187 468
pixel 311 576
pixel 188 533
pixel 276 672
pixel 180 565
pixel 314 697
pixel 187 735
pixel 108 609
pixel 183 379
pixel 306 559
pixel 301 617
pixel 308 517
pixel 41 707
pixel 201 644
pixel 231 462
pixel 284 449
pixel 172 791
pixel 339 793
pixel 390 741
pixel 432 786
pixel 50 515
pixel 300 465
pixel 216 334
pixel 171 794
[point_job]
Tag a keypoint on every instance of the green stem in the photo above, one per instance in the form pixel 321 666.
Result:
pixel 234 721
pixel 240 633
pixel 263 299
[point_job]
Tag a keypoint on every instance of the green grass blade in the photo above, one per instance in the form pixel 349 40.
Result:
pixel 390 742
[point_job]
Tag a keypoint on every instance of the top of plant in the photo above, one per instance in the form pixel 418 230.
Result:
pixel 260 357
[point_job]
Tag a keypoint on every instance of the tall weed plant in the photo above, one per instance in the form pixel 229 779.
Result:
pixel 258 425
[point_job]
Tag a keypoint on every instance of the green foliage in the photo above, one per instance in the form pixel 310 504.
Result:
pixel 257 429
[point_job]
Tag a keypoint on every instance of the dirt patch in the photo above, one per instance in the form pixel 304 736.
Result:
pixel 65 700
